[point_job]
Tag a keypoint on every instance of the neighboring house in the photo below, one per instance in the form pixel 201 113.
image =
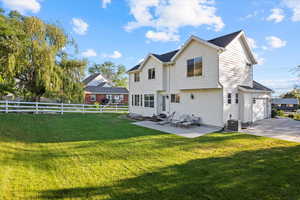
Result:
pixel 288 104
pixel 210 79
pixel 99 89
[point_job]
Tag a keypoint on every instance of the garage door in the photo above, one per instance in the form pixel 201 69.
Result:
pixel 260 109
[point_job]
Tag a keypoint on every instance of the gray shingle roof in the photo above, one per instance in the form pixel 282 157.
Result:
pixel 90 78
pixel 166 57
pixel 106 90
pixel 222 41
pixel 285 101
pixel 257 86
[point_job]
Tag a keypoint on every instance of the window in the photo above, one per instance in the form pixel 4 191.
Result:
pixel 229 98
pixel 137 100
pixel 254 101
pixel 236 98
pixel 109 96
pixel 195 67
pixel 136 77
pixel 290 105
pixel 141 100
pixel 149 100
pixel 93 97
pixel 175 98
pixel 151 73
pixel 132 100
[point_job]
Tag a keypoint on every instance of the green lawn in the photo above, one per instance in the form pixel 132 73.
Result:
pixel 105 157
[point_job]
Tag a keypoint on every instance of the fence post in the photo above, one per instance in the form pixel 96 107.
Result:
pixel 36 107
pixel 62 108
pixel 6 106
pixel 83 108
pixel 116 108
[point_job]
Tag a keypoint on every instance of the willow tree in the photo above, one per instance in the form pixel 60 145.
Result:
pixel 40 66
pixel 39 72
pixel 71 73
pixel 11 38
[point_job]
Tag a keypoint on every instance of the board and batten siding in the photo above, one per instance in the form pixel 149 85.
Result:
pixel 234 72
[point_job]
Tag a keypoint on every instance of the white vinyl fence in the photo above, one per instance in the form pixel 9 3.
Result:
pixel 41 108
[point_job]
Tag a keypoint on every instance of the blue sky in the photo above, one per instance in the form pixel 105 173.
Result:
pixel 125 31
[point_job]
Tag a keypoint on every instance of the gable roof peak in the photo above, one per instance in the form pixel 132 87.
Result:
pixel 225 40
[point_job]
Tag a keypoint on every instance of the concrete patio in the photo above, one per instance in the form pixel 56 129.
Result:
pixel 282 128
pixel 192 132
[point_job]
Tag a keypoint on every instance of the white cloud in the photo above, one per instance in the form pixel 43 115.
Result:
pixel 22 5
pixel 275 42
pixel 295 6
pixel 89 53
pixel 277 15
pixel 260 60
pixel 253 14
pixel 114 55
pixel 281 85
pixel 252 43
pixel 79 26
pixel 162 36
pixel 105 3
pixel 169 15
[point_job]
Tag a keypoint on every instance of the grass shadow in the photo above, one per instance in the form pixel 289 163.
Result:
pixel 263 174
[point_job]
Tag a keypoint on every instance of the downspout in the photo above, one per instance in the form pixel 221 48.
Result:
pixel 169 89
pixel 222 100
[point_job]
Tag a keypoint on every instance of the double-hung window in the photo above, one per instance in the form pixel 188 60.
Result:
pixel 132 100
pixel 229 98
pixel 93 97
pixel 151 73
pixel 236 98
pixel 137 77
pixel 136 100
pixel 149 100
pixel 195 67
pixel 175 98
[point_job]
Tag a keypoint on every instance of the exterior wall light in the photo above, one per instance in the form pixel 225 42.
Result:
pixel 192 96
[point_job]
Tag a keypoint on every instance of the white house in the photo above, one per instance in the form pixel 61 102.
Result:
pixel 211 79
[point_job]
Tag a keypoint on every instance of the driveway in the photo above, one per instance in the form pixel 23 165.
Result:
pixel 283 128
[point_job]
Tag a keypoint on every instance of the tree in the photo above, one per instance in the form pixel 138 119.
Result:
pixel 71 76
pixel 115 73
pixel 33 60
pixel 295 93
pixel 10 48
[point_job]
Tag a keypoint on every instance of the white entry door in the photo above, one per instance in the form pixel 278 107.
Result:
pixel 162 104
pixel 260 109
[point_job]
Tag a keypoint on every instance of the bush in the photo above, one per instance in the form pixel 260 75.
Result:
pixel 280 113
pixel 291 116
pixel 297 117
pixel 273 113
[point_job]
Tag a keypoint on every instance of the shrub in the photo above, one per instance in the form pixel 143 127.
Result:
pixel 97 105
pixel 280 113
pixel 291 116
pixel 273 113
pixel 297 117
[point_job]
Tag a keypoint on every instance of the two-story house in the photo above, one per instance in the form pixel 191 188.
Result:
pixel 210 79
